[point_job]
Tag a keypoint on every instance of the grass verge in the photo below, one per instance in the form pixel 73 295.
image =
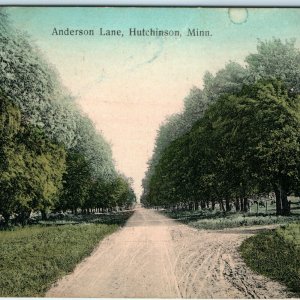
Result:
pixel 215 220
pixel 118 218
pixel 239 221
pixel 276 254
pixel 34 257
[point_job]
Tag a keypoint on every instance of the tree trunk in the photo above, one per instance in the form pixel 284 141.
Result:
pixel 207 204
pixel 227 204
pixel 278 202
pixel 237 205
pixel 213 204
pixel 6 217
pixel 286 210
pixel 196 205
pixel 245 204
pixel 44 215
pixel 282 204
pixel 202 204
pixel 242 204
pixel 222 208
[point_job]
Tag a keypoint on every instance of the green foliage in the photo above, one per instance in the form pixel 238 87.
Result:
pixel 10 120
pixel 76 182
pixel 31 83
pixel 242 144
pixel 245 144
pixel 258 140
pixel 33 258
pixel 276 254
pixel 95 149
pixel 31 166
pixel 229 79
pixel 226 81
pixel 52 157
pixel 122 192
pixel 82 191
pixel 276 60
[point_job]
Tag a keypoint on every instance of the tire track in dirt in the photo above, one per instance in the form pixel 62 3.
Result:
pixel 156 257
pixel 208 267
pixel 172 274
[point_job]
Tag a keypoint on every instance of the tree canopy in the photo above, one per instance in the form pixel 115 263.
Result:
pixel 52 157
pixel 242 140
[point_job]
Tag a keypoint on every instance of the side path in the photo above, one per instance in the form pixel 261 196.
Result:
pixel 156 257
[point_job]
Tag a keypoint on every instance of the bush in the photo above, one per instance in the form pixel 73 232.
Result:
pixel 276 254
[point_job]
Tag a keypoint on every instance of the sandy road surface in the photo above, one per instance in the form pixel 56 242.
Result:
pixel 153 256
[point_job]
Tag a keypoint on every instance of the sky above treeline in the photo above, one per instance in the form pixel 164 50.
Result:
pixel 128 85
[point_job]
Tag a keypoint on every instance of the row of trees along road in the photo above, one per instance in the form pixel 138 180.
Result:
pixel 236 139
pixel 51 156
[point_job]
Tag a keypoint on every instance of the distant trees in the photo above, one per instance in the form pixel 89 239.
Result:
pixel 51 156
pixel 229 79
pixel 244 143
pixel 77 182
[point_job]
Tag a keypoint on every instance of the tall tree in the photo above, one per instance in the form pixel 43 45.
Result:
pixel 276 60
pixel 31 166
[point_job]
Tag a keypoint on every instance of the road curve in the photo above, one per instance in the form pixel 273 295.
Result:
pixel 156 257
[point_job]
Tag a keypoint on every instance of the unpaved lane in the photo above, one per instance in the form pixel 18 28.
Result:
pixel 155 257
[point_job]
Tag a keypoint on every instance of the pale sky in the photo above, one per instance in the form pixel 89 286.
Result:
pixel 128 85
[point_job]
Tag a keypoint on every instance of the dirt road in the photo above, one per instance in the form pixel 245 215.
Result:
pixel 154 256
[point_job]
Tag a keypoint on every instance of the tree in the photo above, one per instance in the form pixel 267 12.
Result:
pixel 276 60
pixel 229 79
pixel 76 182
pixel 271 118
pixel 246 144
pixel 40 123
pixel 31 166
pixel 260 133
pixel 220 147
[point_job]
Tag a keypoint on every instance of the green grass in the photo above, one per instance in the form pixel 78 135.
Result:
pixel 276 254
pixel 34 257
pixel 118 218
pixel 215 220
pixel 234 221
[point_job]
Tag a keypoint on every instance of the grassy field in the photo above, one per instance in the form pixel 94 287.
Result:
pixel 276 254
pixel 118 218
pixel 34 257
pixel 240 220
pixel 207 219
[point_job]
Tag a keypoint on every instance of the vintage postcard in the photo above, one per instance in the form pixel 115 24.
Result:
pixel 149 152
